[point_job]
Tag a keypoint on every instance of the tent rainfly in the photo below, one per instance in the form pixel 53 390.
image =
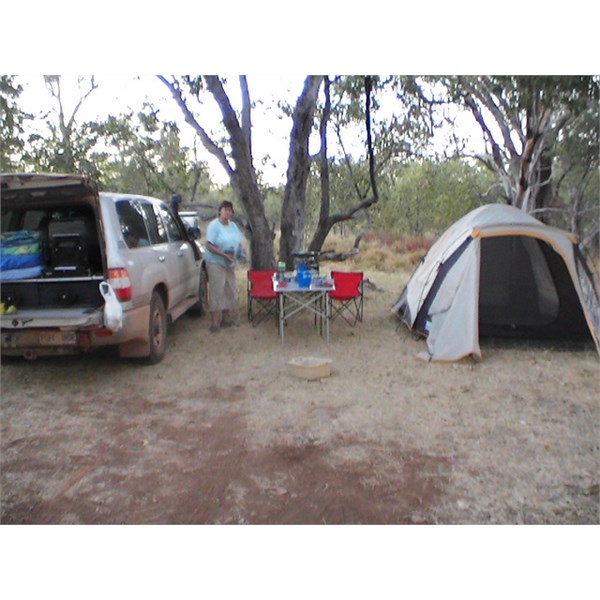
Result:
pixel 498 271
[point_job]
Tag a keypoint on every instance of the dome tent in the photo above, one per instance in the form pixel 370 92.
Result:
pixel 499 271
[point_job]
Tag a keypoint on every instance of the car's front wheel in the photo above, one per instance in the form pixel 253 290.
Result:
pixel 157 329
pixel 201 307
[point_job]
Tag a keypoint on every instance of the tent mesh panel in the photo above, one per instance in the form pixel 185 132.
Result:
pixel 526 290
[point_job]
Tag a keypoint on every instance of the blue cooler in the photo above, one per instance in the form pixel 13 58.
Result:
pixel 303 277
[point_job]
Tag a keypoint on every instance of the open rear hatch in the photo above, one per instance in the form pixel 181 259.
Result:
pixel 21 187
pixel 52 251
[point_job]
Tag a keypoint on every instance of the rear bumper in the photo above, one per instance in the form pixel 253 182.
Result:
pixel 27 333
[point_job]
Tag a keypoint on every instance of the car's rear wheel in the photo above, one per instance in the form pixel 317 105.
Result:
pixel 157 329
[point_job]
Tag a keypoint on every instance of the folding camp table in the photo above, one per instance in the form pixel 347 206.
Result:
pixel 293 299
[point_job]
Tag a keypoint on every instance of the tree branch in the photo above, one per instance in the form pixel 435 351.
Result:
pixel 373 179
pixel 240 149
pixel 487 100
pixel 246 118
pixel 93 86
pixel 324 163
pixel 207 142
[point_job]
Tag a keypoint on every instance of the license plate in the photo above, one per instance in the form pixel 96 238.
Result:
pixel 58 338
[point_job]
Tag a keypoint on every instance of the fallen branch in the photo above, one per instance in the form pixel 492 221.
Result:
pixel 368 284
pixel 338 256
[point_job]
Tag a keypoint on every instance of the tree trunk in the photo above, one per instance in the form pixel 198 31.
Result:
pixel 543 197
pixel 241 175
pixel 326 220
pixel 294 199
pixel 324 225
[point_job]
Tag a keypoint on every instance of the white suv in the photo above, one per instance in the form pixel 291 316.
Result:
pixel 73 240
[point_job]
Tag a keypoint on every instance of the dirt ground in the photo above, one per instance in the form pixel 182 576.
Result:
pixel 220 433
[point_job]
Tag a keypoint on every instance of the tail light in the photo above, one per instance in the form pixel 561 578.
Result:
pixel 120 282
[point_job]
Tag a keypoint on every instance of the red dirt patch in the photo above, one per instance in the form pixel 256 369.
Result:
pixel 200 470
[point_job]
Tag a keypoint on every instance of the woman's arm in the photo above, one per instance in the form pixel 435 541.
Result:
pixel 216 250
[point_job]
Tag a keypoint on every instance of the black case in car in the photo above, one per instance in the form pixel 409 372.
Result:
pixel 68 240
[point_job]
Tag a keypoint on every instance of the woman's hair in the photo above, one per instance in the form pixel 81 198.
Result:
pixel 225 204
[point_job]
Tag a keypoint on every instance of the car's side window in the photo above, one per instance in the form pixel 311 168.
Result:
pixel 160 230
pixel 173 228
pixel 132 223
pixel 158 234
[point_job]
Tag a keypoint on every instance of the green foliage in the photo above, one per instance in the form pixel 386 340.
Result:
pixel 559 92
pixel 428 196
pixel 272 199
pixel 347 180
pixel 145 155
pixel 416 199
pixel 64 146
pixel 136 152
pixel 54 154
pixel 577 185
pixel 401 121
pixel 11 124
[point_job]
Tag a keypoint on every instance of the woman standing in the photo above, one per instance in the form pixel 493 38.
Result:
pixel 223 245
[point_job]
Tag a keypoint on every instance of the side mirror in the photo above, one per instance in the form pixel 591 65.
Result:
pixel 194 232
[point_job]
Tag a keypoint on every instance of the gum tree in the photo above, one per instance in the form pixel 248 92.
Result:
pixel 293 211
pixel 67 147
pixel 522 119
pixel 234 153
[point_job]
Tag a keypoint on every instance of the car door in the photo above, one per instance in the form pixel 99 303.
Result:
pixel 183 268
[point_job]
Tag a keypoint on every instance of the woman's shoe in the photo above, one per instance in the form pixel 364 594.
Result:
pixel 231 323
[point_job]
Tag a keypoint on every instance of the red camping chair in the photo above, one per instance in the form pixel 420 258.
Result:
pixel 346 300
pixel 262 300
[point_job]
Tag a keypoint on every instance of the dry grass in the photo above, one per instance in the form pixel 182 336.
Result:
pixel 382 251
